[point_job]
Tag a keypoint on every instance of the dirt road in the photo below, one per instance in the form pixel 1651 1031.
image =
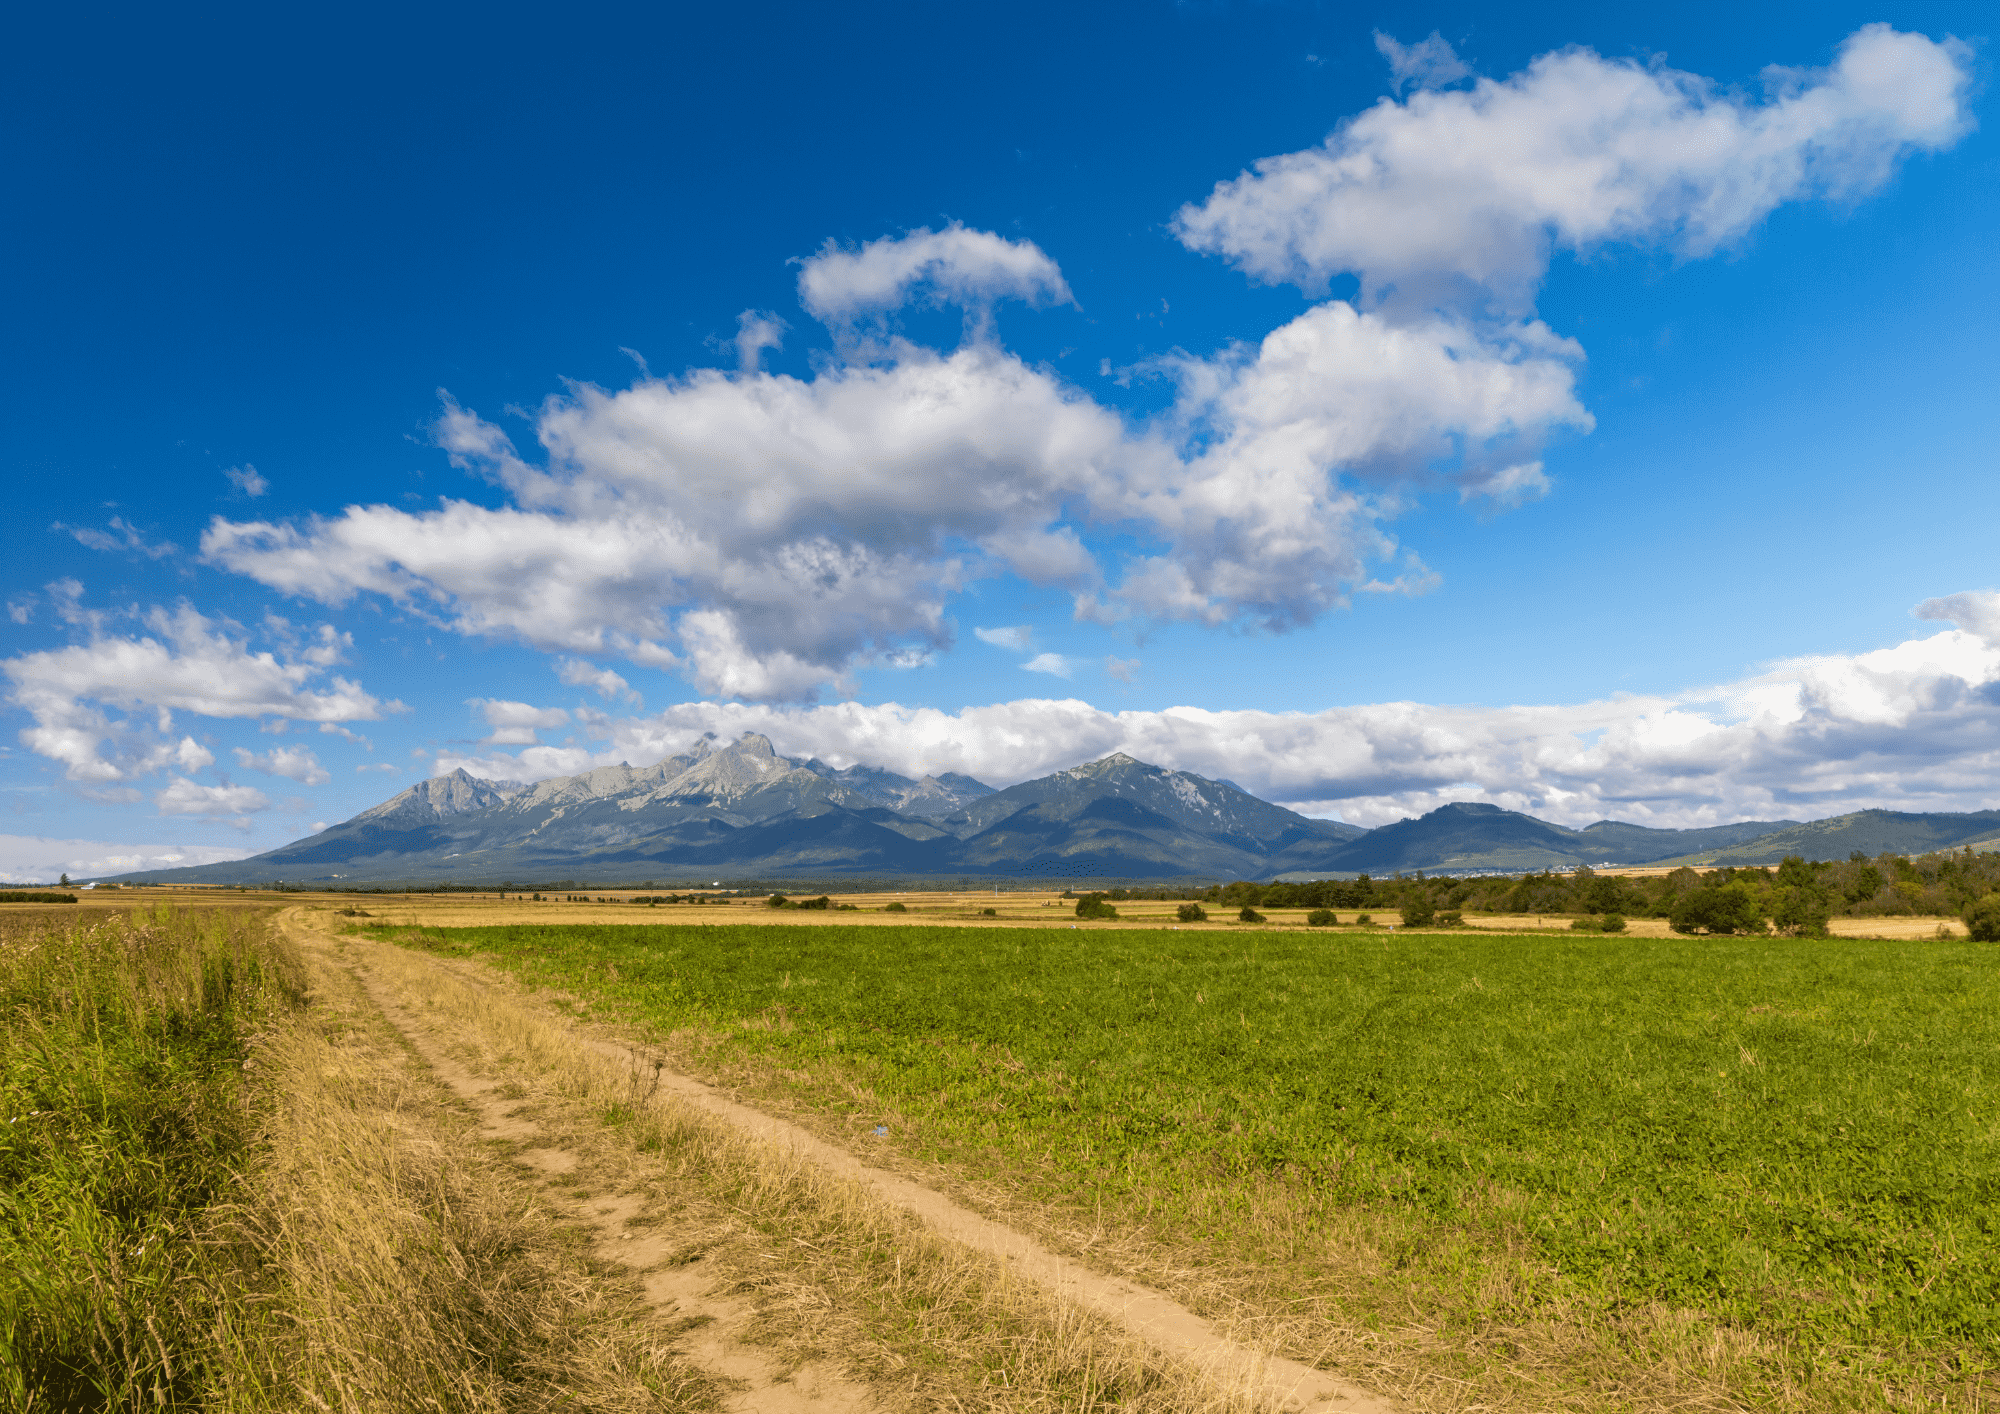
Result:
pixel 453 1017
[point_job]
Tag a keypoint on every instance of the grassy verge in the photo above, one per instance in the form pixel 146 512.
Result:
pixel 226 1187
pixel 1647 1172
pixel 121 1063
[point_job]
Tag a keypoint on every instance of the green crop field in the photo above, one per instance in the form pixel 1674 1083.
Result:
pixel 1794 1138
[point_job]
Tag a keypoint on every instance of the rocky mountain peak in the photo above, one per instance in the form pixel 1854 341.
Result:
pixel 1116 763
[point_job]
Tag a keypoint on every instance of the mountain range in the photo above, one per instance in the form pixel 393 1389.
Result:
pixel 744 811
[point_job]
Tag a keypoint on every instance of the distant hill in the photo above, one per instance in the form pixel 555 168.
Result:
pixel 1870 831
pixel 1467 837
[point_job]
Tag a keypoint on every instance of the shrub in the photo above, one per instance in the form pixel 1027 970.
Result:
pixel 1982 919
pixel 1419 913
pixel 1586 925
pixel 1613 923
pixel 894 908
pixel 1451 918
pixel 1094 906
pixel 1321 918
pixel 1718 908
pixel 1191 913
pixel 989 913
pixel 1802 911
pixel 1249 915
pixel 777 901
pixel 1365 918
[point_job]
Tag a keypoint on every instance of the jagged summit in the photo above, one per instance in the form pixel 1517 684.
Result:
pixel 442 796
pixel 1107 765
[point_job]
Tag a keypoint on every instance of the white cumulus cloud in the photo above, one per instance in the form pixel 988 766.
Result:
pixel 767 536
pixel 182 663
pixel 185 797
pixel 293 763
pixel 515 723
pixel 609 685
pixel 1909 727
pixel 957 265
pixel 1450 191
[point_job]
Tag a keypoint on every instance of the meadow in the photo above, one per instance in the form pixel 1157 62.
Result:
pixel 1780 1149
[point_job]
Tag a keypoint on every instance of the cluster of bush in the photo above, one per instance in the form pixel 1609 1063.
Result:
pixel 1798 897
pixel 822 902
pixel 651 899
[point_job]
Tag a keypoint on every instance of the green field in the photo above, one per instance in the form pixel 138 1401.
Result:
pixel 1795 1138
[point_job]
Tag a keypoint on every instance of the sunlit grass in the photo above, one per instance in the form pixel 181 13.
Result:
pixel 1789 1139
pixel 121 1070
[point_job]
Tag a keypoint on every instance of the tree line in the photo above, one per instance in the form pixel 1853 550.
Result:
pixel 1799 896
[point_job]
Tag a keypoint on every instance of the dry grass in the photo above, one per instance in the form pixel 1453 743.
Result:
pixel 394 1262
pixel 836 1275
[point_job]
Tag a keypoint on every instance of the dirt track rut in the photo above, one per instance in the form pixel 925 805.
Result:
pixel 687 1294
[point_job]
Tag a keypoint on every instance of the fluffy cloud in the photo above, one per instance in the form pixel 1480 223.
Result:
pixel 1454 190
pixel 31 859
pixel 1054 664
pixel 972 269
pixel 1256 526
pixel 185 797
pixel 185 663
pixel 515 723
pixel 293 763
pixel 767 535
pixel 757 330
pixel 777 532
pixel 577 673
pixel 1915 727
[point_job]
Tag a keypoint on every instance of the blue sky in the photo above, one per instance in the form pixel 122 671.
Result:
pixel 1570 411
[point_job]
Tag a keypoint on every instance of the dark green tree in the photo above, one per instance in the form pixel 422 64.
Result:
pixel 1982 919
pixel 1094 906
pixel 1718 908
pixel 1801 910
